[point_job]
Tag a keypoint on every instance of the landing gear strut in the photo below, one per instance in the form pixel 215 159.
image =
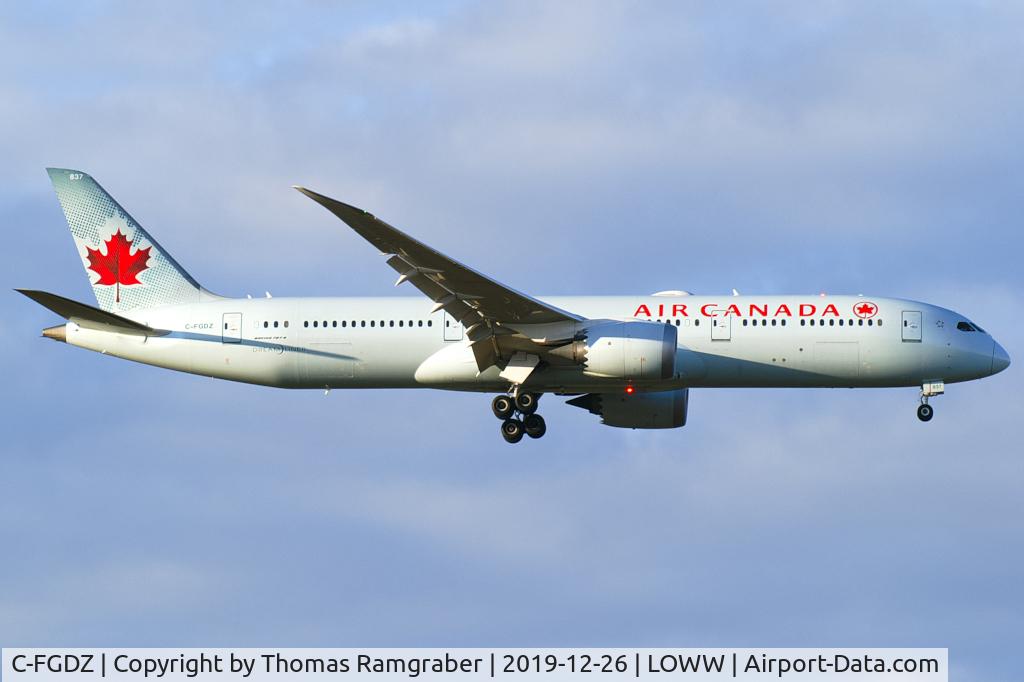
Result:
pixel 925 412
pixel 519 416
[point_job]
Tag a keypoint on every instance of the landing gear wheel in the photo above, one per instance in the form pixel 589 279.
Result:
pixel 527 403
pixel 503 407
pixel 925 412
pixel 512 430
pixel 534 425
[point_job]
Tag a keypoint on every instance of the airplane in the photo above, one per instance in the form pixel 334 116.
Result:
pixel 631 360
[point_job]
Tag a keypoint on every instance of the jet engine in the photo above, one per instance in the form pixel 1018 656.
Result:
pixel 634 351
pixel 661 410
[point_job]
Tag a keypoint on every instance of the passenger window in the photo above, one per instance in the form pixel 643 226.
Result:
pixel 334 323
pixel 420 323
pixel 265 324
pixel 430 323
pixel 373 323
pixel 275 324
pixel 744 323
pixel 783 323
pixel 832 322
pixel 344 323
pixel 286 324
pixel 305 323
pixel 774 322
pixel 803 323
pixel 840 323
pixel 363 323
pixel 696 323
pixel 391 323
pixel 879 323
pixel 871 323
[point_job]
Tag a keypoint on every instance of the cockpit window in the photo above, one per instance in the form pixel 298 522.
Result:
pixel 965 326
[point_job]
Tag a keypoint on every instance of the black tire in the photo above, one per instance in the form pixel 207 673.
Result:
pixel 527 402
pixel 503 407
pixel 925 413
pixel 512 430
pixel 535 426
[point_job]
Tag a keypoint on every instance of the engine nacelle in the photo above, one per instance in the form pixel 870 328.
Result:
pixel 635 351
pixel 661 410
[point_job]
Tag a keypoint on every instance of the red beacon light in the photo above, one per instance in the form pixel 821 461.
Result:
pixel 629 390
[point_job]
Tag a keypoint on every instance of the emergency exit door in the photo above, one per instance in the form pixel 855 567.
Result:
pixel 452 328
pixel 912 326
pixel 721 328
pixel 231 328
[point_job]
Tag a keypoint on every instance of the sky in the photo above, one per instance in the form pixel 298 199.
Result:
pixel 562 148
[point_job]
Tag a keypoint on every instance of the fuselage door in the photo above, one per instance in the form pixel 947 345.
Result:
pixel 912 326
pixel 231 329
pixel 721 327
pixel 452 328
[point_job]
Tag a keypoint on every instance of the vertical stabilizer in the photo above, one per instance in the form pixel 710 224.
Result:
pixel 127 268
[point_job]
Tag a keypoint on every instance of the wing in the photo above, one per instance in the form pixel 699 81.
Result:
pixel 480 303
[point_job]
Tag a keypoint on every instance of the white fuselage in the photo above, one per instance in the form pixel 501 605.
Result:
pixel 771 341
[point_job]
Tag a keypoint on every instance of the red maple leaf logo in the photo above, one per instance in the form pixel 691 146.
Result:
pixel 865 310
pixel 119 265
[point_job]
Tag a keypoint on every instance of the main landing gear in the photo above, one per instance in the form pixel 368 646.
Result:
pixel 925 412
pixel 518 415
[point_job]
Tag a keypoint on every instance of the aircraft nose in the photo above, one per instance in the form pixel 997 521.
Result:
pixel 1000 358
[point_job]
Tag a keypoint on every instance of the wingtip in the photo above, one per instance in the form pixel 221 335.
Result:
pixel 305 191
pixel 331 204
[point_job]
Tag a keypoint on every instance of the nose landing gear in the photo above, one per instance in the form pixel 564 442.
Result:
pixel 519 416
pixel 925 412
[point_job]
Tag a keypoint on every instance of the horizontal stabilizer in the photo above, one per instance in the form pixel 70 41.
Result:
pixel 86 316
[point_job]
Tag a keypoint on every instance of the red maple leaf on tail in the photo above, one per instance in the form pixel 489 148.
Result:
pixel 119 265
